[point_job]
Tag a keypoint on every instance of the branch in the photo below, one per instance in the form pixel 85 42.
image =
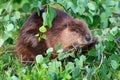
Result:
pixel 102 58
pixel 49 4
pixel 116 14
pixel 7 7
pixel 13 51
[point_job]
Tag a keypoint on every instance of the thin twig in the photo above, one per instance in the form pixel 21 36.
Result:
pixel 116 14
pixel 102 58
pixel 7 7
pixel 13 51
pixel 101 62
pixel 55 3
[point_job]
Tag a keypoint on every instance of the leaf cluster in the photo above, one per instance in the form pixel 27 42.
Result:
pixel 100 63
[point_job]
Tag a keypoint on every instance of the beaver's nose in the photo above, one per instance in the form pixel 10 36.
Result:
pixel 88 37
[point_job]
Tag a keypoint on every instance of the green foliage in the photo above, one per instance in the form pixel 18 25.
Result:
pixel 42 29
pixel 101 63
pixel 48 17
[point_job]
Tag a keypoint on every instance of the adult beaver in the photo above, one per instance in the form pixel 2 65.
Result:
pixel 65 30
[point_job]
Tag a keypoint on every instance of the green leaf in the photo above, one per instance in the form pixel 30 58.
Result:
pixel 68 76
pixel 17 15
pixel 44 65
pixel 85 78
pixel 103 17
pixel 43 36
pixel 1 11
pixel 39 39
pixel 15 78
pixel 42 29
pixel 114 57
pixel 76 72
pixel 37 35
pixel 112 20
pixel 34 4
pixel 118 74
pixel 92 52
pixel 60 51
pixel 48 17
pixel 45 20
pixel 114 31
pixel 80 9
pixel 10 8
pixel 39 58
pixel 109 37
pixel 96 21
pixel 1 42
pixel 111 3
pixel 88 71
pixel 69 66
pixel 110 45
pixel 100 47
pixel 104 69
pixel 90 18
pixel 82 58
pixel 105 24
pixel 61 56
pixel 10 27
pixel 44 1
pixel 40 5
pixel 79 62
pixel 53 67
pixel 91 6
pixel 26 7
pixel 50 50
pixel 69 4
pixel 57 5
pixel 99 32
pixel 114 64
pixel 14 20
pixel 52 14
pixel 6 18
pixel 58 46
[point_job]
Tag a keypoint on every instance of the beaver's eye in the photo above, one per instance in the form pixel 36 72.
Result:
pixel 77 31
pixel 65 25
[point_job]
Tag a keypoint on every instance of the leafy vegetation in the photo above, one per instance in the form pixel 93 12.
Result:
pixel 101 63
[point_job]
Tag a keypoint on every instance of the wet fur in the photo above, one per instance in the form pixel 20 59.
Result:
pixel 28 46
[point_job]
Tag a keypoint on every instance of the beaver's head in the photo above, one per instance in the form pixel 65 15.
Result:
pixel 76 34
pixel 68 31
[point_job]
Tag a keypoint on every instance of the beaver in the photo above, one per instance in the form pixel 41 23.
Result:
pixel 65 29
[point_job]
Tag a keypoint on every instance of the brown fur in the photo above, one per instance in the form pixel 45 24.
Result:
pixel 65 30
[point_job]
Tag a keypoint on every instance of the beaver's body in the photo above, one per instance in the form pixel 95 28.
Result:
pixel 65 30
